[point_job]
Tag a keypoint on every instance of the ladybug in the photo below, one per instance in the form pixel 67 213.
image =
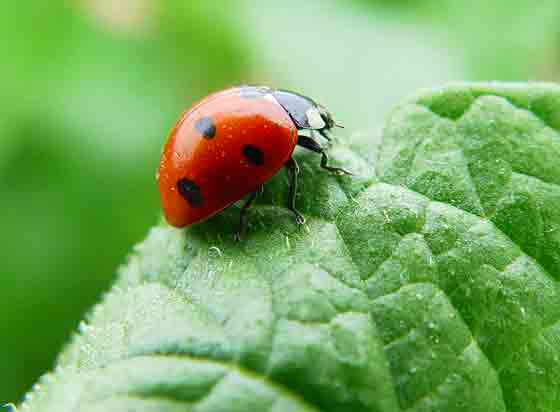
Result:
pixel 230 143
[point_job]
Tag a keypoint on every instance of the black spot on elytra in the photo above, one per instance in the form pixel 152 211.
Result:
pixel 205 126
pixel 253 154
pixel 252 92
pixel 190 192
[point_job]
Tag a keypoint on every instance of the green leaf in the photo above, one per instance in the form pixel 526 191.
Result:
pixel 428 282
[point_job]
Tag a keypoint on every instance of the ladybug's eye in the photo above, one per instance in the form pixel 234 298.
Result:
pixel 327 118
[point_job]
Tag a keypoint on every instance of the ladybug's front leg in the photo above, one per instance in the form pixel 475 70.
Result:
pixel 312 145
pixel 293 171
pixel 324 134
pixel 242 230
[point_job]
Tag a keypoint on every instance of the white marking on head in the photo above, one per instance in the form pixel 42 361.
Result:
pixel 314 119
pixel 270 97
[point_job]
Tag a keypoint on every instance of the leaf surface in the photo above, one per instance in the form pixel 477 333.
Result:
pixel 427 282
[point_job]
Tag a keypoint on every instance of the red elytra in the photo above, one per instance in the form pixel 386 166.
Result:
pixel 229 144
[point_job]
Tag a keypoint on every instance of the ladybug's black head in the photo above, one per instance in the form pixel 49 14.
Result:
pixel 305 113
pixel 326 117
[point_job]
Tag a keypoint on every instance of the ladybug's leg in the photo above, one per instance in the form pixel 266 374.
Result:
pixel 321 132
pixel 312 145
pixel 240 234
pixel 324 134
pixel 293 171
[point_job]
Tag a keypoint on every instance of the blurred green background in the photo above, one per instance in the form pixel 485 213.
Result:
pixel 90 88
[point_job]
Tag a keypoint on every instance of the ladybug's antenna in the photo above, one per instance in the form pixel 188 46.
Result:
pixel 338 125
